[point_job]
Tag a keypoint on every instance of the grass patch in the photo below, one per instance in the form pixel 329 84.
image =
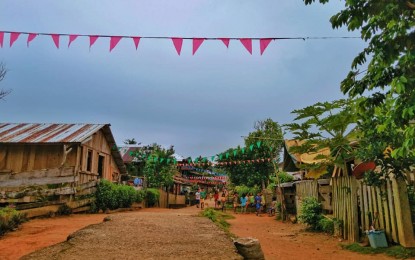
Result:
pixel 398 252
pixel 219 218
pixel 10 219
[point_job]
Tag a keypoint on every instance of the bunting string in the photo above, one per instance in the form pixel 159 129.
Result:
pixel 177 41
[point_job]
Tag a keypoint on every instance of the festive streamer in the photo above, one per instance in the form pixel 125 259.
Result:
pixel 13 37
pixel 247 43
pixel 92 40
pixel 225 41
pixel 1 39
pixel 114 41
pixel 55 38
pixel 196 44
pixel 72 38
pixel 30 38
pixel 177 42
pixel 136 41
pixel 263 44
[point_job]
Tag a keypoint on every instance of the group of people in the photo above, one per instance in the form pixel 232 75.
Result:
pixel 243 202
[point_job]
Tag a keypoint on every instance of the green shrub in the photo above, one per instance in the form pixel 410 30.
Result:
pixel 311 213
pixel 152 197
pixel 246 190
pixel 285 177
pixel 113 196
pixel 217 217
pixel 139 196
pixel 10 219
pixel 326 225
pixel 64 209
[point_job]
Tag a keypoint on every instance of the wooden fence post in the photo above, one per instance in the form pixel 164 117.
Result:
pixel 403 213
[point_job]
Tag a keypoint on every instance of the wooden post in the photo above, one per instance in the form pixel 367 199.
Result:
pixel 403 213
pixel 392 212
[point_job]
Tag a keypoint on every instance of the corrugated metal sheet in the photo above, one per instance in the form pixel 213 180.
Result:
pixel 46 133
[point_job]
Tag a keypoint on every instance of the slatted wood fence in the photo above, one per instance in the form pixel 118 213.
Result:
pixel 359 207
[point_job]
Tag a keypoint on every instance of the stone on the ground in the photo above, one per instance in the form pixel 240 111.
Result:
pixel 249 248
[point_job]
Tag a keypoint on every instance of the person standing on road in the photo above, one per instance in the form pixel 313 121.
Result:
pixel 216 197
pixel 223 200
pixel 258 201
pixel 202 198
pixel 197 194
pixel 243 203
pixel 235 201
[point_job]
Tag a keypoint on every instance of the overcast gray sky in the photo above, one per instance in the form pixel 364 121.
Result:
pixel 201 104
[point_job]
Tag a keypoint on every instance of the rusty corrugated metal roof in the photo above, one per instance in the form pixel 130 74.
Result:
pixel 46 133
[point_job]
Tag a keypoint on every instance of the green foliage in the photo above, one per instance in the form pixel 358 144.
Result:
pixel 398 252
pixel 325 125
pixel 371 178
pixel 268 135
pixel 284 177
pixel 112 196
pixel 140 196
pixel 311 213
pixel 64 209
pixel 159 173
pixel 246 190
pixel 217 217
pixel 152 197
pixel 387 115
pixel 326 225
pixel 10 219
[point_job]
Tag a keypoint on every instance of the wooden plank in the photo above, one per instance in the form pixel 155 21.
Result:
pixel 370 207
pixel 54 172
pixel 374 207
pixel 355 216
pixel 380 209
pixel 38 181
pixel 403 213
pixel 392 212
pixel 388 229
pixel 365 208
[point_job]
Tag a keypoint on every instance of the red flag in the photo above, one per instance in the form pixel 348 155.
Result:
pixel 263 44
pixel 225 41
pixel 114 41
pixel 30 38
pixel 136 41
pixel 71 39
pixel 55 38
pixel 92 40
pixel 1 39
pixel 13 37
pixel 247 43
pixel 196 44
pixel 178 42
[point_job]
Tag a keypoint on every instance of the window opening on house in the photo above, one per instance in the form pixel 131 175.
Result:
pixel 101 164
pixel 89 161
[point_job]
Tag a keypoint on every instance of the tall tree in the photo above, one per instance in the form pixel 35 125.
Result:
pixel 385 71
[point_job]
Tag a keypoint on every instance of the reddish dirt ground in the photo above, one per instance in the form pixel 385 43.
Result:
pixel 290 241
pixel 278 240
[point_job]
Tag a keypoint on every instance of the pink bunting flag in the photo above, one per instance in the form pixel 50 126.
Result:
pixel 114 41
pixel 196 44
pixel 136 41
pixel 247 43
pixel 13 37
pixel 72 38
pixel 92 40
pixel 1 39
pixel 30 38
pixel 225 41
pixel 178 42
pixel 263 44
pixel 55 38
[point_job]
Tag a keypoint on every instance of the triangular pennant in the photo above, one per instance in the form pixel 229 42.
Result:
pixel 243 150
pixel 220 156
pixel 1 39
pixel 30 38
pixel 177 42
pixel 130 153
pixel 235 152
pixel 161 160
pixel 263 44
pixel 258 144
pixel 168 160
pixel 247 43
pixel 189 160
pixel 13 37
pixel 55 38
pixel 270 149
pixel 114 41
pixel 251 147
pixel 72 38
pixel 155 159
pixel 225 41
pixel 227 155
pixel 204 159
pixel 136 41
pixel 92 40
pixel 213 158
pixel 174 161
pixel 196 44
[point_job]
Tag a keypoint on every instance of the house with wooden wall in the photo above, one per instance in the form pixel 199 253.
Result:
pixel 39 161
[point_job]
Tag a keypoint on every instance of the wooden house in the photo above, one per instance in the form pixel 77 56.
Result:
pixel 55 162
